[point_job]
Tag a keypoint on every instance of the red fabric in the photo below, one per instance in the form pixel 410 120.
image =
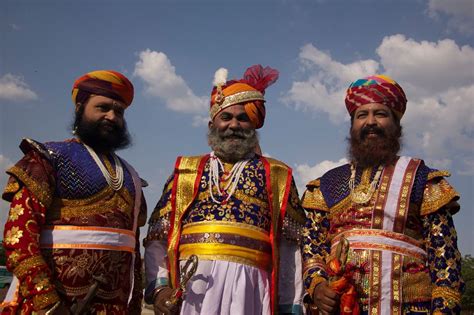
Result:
pixel 388 94
pixel 259 77
pixel 28 222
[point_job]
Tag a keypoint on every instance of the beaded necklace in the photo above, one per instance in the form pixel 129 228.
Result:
pixel 115 182
pixel 232 177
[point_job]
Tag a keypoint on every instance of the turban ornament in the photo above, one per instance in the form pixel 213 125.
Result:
pixel 107 83
pixel 376 89
pixel 248 91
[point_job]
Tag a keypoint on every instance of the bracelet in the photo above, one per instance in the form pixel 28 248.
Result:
pixel 157 291
pixel 53 308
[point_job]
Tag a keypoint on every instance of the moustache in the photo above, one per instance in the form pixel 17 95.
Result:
pixel 109 125
pixel 232 134
pixel 376 130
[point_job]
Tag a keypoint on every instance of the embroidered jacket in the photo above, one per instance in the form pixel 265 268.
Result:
pixel 265 202
pixel 420 237
pixel 57 185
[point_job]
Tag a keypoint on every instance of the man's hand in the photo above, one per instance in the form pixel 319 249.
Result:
pixel 325 299
pixel 159 304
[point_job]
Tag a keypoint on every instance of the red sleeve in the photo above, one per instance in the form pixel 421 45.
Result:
pixel 24 259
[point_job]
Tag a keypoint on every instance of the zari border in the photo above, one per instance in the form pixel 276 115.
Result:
pixel 41 190
pixel 278 181
pixel 188 172
pixel 404 197
pixel 396 299
pixel 374 283
pixel 447 294
pixel 377 218
pixel 40 301
pixel 25 265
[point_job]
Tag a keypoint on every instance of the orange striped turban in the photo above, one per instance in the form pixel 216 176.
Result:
pixel 376 89
pixel 107 83
pixel 249 91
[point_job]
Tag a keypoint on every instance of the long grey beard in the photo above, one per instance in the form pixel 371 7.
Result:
pixel 230 150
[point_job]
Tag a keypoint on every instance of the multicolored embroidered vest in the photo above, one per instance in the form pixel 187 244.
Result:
pixel 384 241
pixel 256 246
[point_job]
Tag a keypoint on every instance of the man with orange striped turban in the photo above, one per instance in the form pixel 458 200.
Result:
pixel 71 236
pixel 394 213
pixel 234 210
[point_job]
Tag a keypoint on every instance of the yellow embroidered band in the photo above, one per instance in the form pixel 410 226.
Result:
pixel 227 241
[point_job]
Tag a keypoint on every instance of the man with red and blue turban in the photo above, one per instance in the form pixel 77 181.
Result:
pixel 393 213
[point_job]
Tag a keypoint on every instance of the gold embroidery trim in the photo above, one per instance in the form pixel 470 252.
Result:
pixel 437 195
pixel 446 293
pixel 313 263
pixel 187 173
pixel 314 200
pixel 40 189
pixel 217 251
pixel 375 279
pixel 27 264
pixel 163 211
pixel 241 97
pixel 396 284
pixel 11 188
pixel 438 174
pixel 40 301
pixel 104 201
pixel 239 195
pixel 235 227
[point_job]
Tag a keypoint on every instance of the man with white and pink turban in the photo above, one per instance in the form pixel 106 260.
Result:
pixel 234 210
pixel 391 213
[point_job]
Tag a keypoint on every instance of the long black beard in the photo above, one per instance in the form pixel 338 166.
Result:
pixel 382 150
pixel 103 136
pixel 228 148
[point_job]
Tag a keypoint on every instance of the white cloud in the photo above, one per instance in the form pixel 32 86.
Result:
pixel 161 80
pixel 437 77
pixel 426 68
pixel 460 13
pixel 199 120
pixel 306 173
pixel 328 79
pixel 14 88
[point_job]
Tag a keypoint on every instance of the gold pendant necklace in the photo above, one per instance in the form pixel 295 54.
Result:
pixel 363 193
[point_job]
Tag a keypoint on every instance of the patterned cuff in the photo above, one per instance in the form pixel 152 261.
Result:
pixel 445 299
pixel 41 301
pixel 25 266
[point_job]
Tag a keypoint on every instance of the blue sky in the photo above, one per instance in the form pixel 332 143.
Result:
pixel 171 49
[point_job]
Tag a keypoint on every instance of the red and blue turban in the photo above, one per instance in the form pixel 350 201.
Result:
pixel 376 89
pixel 107 83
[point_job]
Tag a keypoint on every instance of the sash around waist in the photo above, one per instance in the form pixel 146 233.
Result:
pixel 228 241
pixel 87 237
pixel 372 239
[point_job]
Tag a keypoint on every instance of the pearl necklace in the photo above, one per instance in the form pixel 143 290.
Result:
pixel 115 182
pixel 233 178
pixel 363 193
